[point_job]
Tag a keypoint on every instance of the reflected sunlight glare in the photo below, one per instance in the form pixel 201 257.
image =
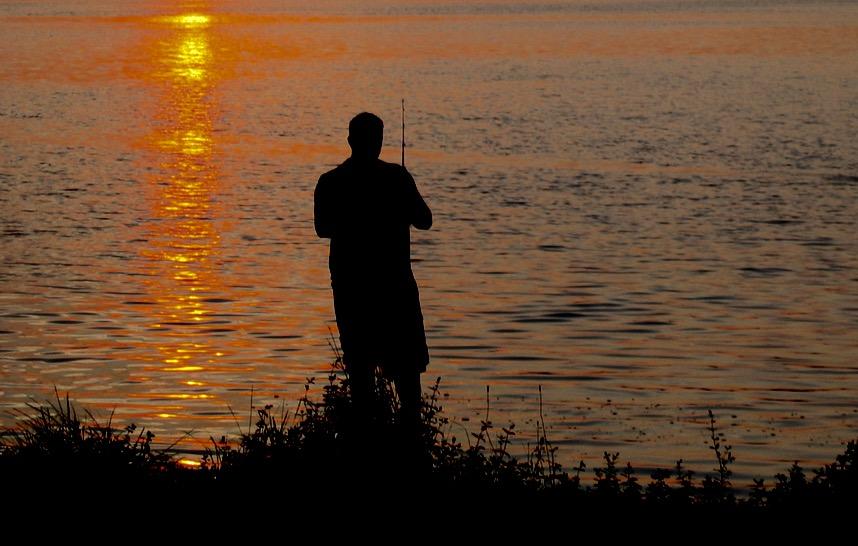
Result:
pixel 185 240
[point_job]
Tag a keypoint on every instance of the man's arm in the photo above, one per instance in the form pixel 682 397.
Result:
pixel 421 216
pixel 323 214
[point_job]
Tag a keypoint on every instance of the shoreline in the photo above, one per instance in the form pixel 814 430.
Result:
pixel 321 441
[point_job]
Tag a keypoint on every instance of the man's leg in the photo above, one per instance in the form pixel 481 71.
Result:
pixel 360 429
pixel 410 393
pixel 415 459
pixel 362 382
pixel 352 326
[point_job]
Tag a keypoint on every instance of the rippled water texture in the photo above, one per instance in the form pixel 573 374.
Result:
pixel 647 208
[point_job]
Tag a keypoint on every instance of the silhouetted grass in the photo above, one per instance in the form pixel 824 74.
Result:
pixel 318 449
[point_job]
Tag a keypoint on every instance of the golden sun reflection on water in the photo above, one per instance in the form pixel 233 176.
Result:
pixel 192 57
pixel 183 240
pixel 187 20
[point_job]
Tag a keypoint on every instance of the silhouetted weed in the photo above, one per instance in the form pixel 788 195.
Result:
pixel 54 445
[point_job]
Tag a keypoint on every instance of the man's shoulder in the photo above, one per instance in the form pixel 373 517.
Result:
pixel 387 165
pixel 393 171
pixel 343 171
pixel 333 173
pixel 392 167
pixel 331 177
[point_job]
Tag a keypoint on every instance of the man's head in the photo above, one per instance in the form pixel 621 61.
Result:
pixel 366 132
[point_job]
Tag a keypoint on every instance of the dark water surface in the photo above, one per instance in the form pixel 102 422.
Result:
pixel 648 208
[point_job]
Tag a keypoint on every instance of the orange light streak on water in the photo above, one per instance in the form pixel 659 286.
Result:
pixel 183 237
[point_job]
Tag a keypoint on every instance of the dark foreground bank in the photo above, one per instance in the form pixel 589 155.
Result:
pixel 316 453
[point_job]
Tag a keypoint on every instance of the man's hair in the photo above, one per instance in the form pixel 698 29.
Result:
pixel 365 128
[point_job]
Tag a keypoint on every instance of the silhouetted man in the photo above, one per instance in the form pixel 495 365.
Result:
pixel 366 207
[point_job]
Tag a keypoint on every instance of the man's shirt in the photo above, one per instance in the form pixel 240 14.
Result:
pixel 366 209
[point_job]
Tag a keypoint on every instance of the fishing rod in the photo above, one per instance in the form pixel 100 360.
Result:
pixel 403 132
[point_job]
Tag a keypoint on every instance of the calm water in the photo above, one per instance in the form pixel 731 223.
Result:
pixel 648 208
